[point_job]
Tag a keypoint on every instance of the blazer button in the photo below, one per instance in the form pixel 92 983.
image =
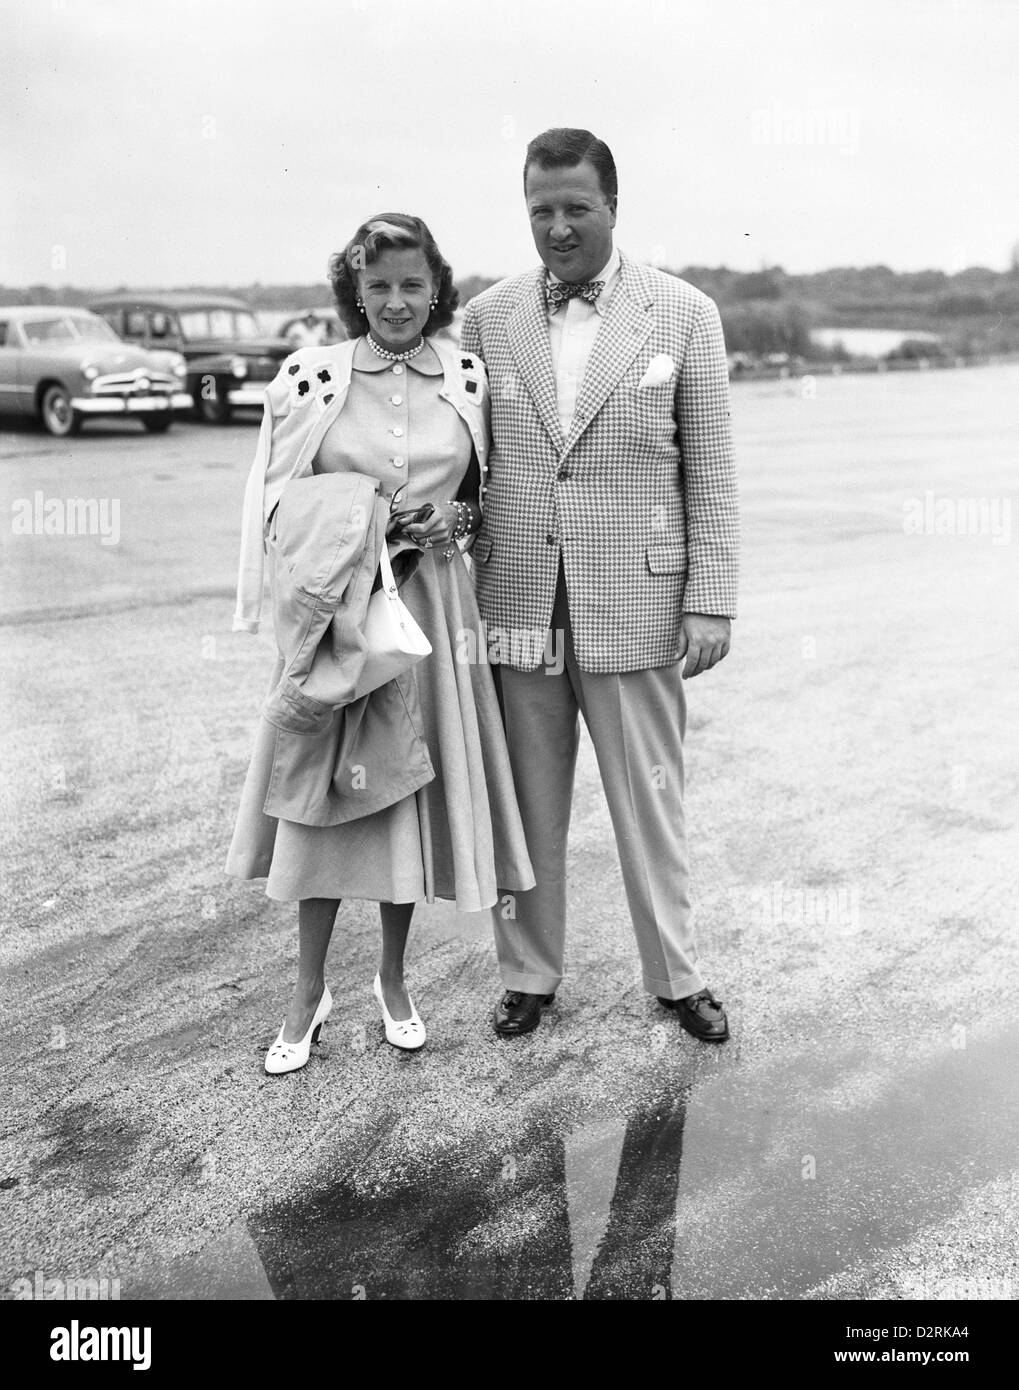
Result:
pixel 563 474
pixel 550 537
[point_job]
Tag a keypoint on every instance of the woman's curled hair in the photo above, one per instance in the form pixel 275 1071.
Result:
pixel 397 231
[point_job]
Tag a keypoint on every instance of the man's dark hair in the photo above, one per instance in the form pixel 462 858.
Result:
pixel 564 147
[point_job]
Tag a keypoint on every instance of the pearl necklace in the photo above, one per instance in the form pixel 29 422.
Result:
pixel 393 356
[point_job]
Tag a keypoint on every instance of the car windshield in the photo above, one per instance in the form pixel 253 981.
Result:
pixel 93 329
pixel 68 328
pixel 219 323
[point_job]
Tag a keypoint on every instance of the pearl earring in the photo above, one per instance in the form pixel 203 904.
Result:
pixel 360 306
pixel 435 303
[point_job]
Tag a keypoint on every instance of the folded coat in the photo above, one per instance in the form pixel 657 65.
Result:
pixel 333 758
pixel 321 757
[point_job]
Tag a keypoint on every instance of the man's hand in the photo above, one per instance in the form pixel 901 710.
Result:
pixel 704 641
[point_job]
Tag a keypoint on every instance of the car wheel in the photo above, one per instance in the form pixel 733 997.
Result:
pixel 58 415
pixel 158 422
pixel 214 409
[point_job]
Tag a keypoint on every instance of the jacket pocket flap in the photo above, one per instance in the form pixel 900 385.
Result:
pixel 289 709
pixel 666 559
pixel 482 548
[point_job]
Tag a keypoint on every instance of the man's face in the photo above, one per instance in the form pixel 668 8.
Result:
pixel 571 220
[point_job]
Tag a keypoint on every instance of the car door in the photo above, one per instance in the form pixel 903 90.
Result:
pixel 12 394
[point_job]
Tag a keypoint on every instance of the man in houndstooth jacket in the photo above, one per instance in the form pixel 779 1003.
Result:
pixel 607 555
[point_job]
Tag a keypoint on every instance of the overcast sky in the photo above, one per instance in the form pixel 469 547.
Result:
pixel 212 141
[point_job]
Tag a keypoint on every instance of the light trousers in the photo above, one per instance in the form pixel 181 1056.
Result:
pixel 636 721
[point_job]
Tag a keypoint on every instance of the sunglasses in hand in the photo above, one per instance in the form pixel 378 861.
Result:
pixel 399 521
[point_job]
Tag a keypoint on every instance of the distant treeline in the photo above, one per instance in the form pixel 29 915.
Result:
pixel 976 311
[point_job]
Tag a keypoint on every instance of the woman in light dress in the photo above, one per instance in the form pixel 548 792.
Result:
pixel 460 835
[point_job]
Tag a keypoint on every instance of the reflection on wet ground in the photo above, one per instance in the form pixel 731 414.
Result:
pixel 589 1212
pixel 742 1184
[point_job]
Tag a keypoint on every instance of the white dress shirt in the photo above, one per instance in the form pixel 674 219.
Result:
pixel 572 330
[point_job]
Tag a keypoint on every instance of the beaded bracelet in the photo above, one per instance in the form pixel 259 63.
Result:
pixel 463 519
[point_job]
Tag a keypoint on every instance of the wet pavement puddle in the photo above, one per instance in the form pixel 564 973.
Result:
pixel 747 1183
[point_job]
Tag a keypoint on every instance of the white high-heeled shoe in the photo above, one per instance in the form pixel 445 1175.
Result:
pixel 408 1033
pixel 286 1056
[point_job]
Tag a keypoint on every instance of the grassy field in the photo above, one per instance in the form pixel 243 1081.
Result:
pixel 852 806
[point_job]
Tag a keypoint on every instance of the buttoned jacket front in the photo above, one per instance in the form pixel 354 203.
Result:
pixel 294 422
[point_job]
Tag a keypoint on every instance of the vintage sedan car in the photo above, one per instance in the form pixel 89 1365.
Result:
pixel 65 365
pixel 230 360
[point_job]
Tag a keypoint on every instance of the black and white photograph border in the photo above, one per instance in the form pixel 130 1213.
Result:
pixel 801 360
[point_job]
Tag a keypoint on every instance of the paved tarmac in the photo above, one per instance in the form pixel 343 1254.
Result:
pixel 852 783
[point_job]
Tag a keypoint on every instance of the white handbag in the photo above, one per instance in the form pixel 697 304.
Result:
pixel 395 641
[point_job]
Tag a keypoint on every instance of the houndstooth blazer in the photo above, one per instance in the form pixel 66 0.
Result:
pixel 639 498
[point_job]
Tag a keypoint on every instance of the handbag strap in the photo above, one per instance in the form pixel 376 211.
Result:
pixel 386 569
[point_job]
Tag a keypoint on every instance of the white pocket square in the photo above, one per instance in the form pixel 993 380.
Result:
pixel 659 370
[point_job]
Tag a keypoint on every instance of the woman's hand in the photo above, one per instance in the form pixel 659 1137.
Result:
pixel 437 530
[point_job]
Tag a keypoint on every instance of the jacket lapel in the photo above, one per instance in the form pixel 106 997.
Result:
pixel 527 331
pixel 625 328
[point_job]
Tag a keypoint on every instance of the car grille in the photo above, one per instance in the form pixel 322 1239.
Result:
pixel 126 383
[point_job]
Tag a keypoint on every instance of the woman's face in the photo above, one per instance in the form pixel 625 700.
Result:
pixel 396 290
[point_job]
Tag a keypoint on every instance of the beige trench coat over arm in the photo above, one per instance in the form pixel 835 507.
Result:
pixel 331 759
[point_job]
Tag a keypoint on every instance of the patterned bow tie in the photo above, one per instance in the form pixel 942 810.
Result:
pixel 559 291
